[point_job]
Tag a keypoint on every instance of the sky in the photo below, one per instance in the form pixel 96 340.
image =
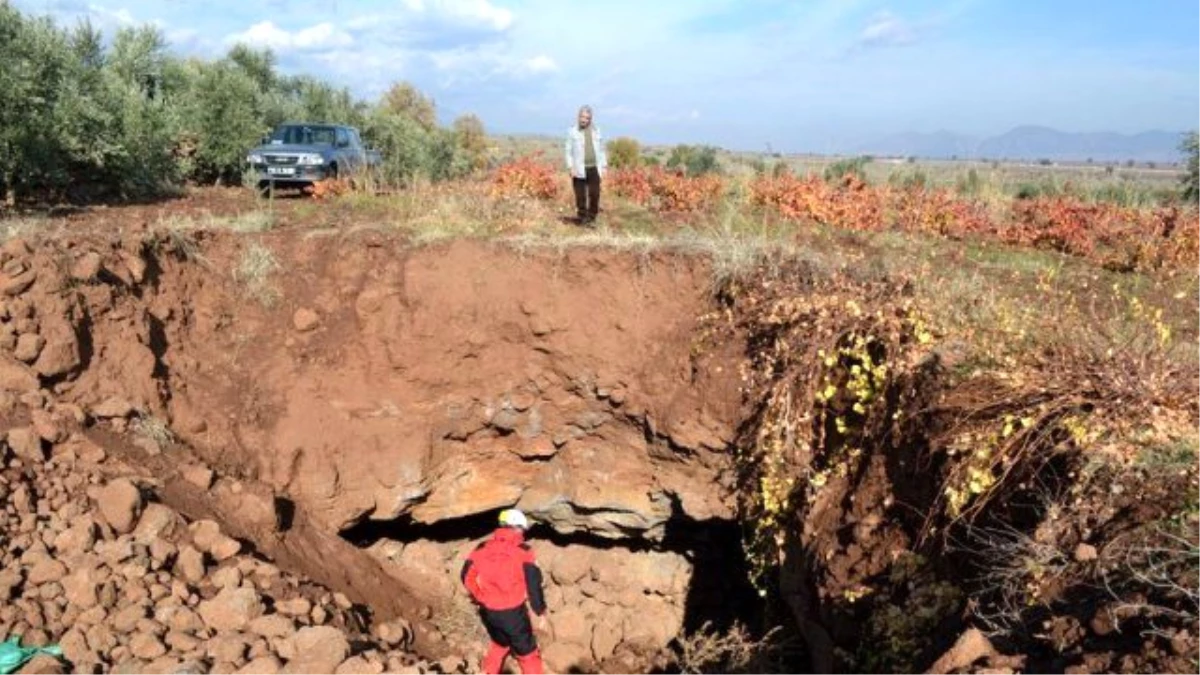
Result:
pixel 790 75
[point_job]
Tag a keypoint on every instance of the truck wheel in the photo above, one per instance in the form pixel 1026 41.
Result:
pixel 333 171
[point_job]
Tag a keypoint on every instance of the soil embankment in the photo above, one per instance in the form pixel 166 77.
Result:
pixel 332 384
pixel 205 434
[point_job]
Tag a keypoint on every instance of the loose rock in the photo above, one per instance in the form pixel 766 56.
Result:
pixel 120 503
pixel 147 646
pixel 113 407
pixel 319 649
pixel 199 475
pixel 26 444
pixel 190 564
pixel 305 320
pixel 29 346
pixel 232 609
pixel 1086 553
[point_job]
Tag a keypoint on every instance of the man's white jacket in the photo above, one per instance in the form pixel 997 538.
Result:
pixel 573 150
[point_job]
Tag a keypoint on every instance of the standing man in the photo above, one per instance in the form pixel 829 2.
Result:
pixel 501 575
pixel 587 163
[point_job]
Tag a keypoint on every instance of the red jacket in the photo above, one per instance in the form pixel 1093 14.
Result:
pixel 501 573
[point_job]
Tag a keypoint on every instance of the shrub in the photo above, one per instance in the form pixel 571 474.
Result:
pixel 624 153
pixel 667 191
pixel 528 176
pixel 970 184
pixel 854 166
pixel 471 139
pixel 696 160
pixel 1191 177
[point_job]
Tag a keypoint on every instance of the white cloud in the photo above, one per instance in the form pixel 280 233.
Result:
pixel 541 64
pixel 886 29
pixel 322 36
pixel 474 11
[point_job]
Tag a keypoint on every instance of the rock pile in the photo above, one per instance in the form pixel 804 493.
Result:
pixel 124 583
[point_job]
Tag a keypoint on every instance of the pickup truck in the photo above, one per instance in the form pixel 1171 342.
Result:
pixel 300 154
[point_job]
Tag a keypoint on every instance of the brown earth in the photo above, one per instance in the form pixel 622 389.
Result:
pixel 429 384
pixel 339 417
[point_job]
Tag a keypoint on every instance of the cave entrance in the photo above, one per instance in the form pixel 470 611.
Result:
pixel 591 578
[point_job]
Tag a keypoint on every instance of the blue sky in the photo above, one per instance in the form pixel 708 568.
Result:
pixel 814 75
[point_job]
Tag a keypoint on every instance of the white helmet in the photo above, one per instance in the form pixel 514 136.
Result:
pixel 514 518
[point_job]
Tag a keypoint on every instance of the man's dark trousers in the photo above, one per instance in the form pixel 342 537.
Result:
pixel 587 195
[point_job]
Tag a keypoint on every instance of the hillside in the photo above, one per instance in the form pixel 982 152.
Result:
pixel 1032 143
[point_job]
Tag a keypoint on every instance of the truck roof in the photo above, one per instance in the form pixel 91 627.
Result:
pixel 314 124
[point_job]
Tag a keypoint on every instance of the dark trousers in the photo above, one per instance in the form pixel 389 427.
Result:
pixel 510 629
pixel 587 195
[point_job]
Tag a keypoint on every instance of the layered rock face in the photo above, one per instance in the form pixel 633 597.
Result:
pixel 469 380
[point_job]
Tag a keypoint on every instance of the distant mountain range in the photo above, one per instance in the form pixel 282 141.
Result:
pixel 1033 143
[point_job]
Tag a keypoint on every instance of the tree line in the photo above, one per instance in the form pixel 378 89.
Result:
pixel 82 118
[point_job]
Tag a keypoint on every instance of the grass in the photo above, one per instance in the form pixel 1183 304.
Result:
pixel 22 226
pixel 248 222
pixel 154 429
pixel 254 271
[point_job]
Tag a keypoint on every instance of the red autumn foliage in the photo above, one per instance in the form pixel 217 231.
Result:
pixel 1117 237
pixel 667 191
pixel 528 176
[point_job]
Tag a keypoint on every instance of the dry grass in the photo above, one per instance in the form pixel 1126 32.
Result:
pixel 13 228
pixel 732 651
pixel 254 272
pixel 153 429
pixel 248 222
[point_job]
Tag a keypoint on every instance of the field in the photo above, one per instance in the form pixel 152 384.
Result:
pixel 809 422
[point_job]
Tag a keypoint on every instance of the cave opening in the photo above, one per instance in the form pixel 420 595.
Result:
pixel 719 595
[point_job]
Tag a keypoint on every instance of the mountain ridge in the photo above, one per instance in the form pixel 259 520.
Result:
pixel 1033 142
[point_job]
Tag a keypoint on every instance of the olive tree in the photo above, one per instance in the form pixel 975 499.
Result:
pixel 1192 179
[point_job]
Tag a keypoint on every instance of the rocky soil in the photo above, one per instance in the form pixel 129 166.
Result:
pixel 123 583
pixel 388 385
pixel 271 452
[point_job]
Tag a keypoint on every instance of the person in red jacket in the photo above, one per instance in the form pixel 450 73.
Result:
pixel 502 576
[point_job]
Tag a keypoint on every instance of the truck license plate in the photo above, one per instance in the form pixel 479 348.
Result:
pixel 281 170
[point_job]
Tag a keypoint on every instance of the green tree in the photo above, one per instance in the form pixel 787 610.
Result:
pixel 220 112
pixel 258 64
pixel 1191 177
pixel 34 54
pixel 405 99
pixel 624 153
pixel 84 119
pixel 410 151
pixel 471 139
pixel 695 159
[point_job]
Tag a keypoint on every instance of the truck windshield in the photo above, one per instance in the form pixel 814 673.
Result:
pixel 296 134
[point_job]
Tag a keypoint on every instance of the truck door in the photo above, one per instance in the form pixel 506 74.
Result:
pixel 350 153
